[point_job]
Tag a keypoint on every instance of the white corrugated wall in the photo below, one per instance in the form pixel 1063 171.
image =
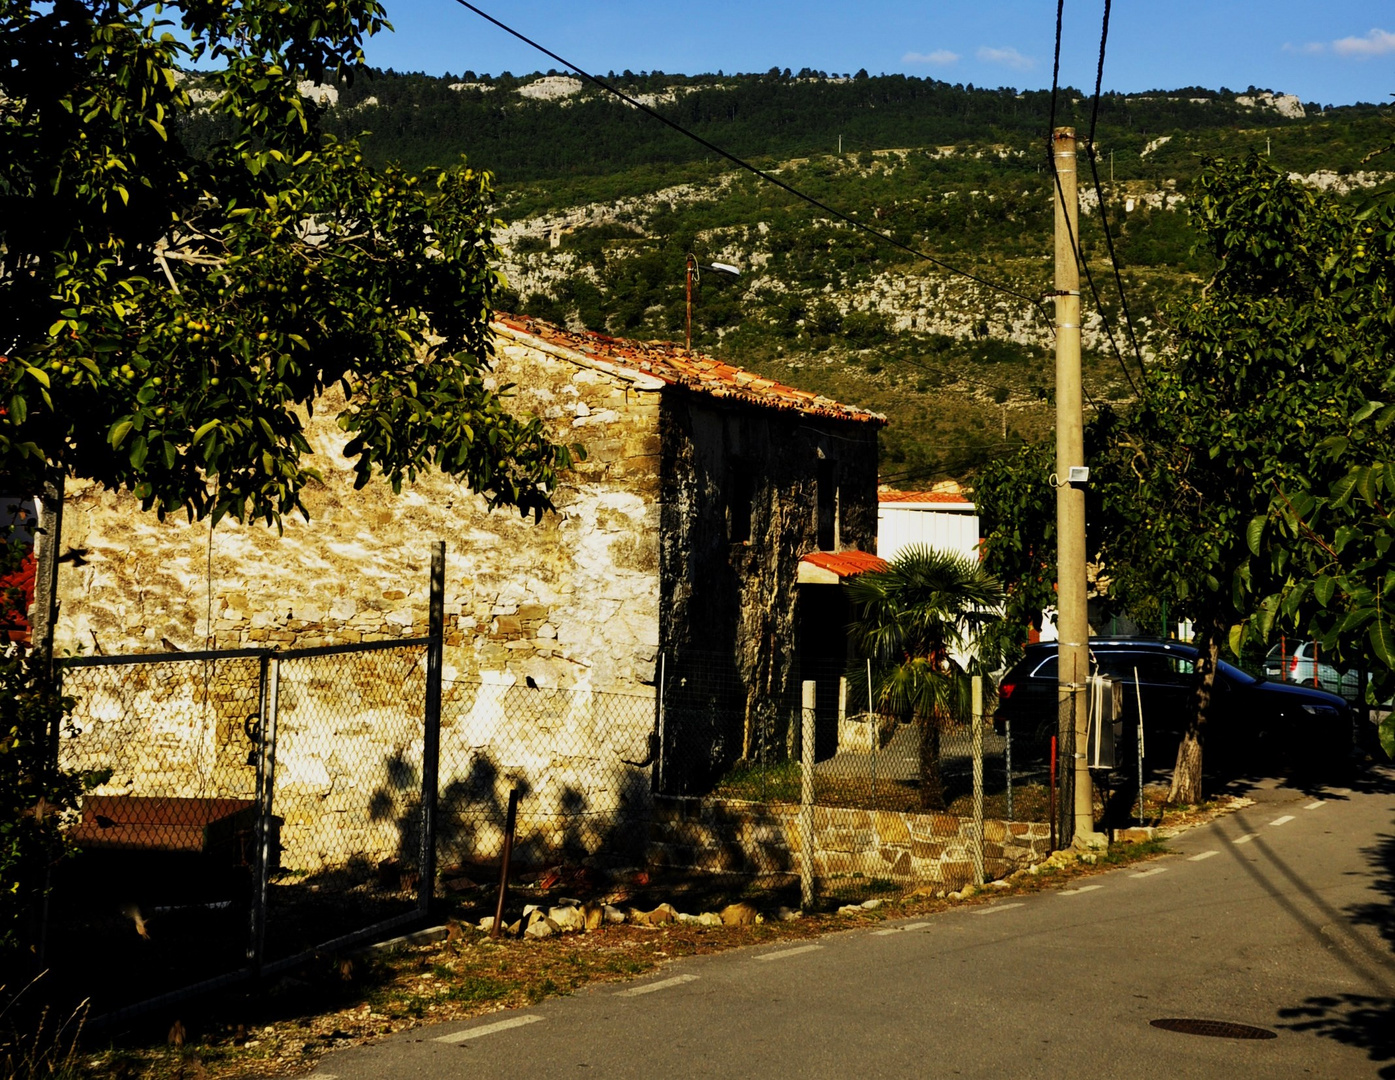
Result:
pixel 899 527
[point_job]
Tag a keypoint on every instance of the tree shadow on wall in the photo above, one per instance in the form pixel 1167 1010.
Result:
pixel 472 811
pixel 1362 1020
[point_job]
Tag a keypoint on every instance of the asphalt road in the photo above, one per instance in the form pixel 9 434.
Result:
pixel 1281 916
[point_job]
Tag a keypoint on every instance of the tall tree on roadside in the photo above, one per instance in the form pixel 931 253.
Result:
pixel 1284 347
pixel 166 319
pixel 910 620
pixel 1255 455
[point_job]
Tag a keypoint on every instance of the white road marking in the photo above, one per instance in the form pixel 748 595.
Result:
pixel 899 929
pixel 1083 888
pixel 1246 838
pixel 1204 855
pixel 1282 820
pixel 487 1029
pixel 789 952
pixel 995 908
pixel 1150 873
pixel 1315 805
pixel 662 984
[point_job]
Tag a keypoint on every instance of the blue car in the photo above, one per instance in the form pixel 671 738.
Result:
pixel 1254 724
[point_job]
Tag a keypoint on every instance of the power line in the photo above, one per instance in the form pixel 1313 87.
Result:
pixel 1099 197
pixel 766 176
pixel 1061 195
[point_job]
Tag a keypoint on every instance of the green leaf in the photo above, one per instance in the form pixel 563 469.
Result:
pixel 1343 489
pixel 118 433
pixel 1365 411
pixel 1323 588
pixel 203 430
pixel 39 376
pixel 1382 639
pixel 1255 533
pixel 1387 735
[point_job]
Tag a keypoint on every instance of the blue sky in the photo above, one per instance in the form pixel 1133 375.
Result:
pixel 1332 52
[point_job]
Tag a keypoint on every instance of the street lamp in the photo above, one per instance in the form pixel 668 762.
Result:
pixel 694 272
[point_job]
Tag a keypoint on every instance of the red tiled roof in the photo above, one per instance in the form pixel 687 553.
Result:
pixel 845 564
pixel 955 497
pixel 676 366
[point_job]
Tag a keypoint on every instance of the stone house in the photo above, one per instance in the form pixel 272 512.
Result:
pixel 675 548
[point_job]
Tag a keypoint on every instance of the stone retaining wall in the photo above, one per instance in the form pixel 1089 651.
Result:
pixel 748 837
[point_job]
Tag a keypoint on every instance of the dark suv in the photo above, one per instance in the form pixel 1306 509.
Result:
pixel 1254 722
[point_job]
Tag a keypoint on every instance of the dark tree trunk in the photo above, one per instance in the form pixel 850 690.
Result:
pixel 1186 776
pixel 932 786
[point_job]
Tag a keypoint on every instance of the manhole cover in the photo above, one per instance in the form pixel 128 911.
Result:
pixel 1217 1029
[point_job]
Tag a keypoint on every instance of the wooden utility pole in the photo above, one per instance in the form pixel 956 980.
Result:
pixel 1072 618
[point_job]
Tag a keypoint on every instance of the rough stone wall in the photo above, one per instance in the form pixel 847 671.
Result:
pixel 571 599
pixel 729 617
pixel 744 837
pixel 569 603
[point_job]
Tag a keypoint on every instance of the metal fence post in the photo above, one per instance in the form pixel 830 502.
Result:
pixel 266 787
pixel 431 730
pixel 658 783
pixel 1007 734
pixel 876 727
pixel 806 796
pixel 976 717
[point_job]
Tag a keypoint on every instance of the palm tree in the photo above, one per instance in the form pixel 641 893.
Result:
pixel 909 620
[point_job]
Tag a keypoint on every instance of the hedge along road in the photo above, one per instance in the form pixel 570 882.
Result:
pixel 1279 916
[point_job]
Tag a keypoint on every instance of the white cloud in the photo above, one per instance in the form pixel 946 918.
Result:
pixel 1007 56
pixel 1375 43
pixel 939 56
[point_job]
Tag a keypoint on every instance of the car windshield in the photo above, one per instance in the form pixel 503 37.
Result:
pixel 1235 675
pixel 1173 664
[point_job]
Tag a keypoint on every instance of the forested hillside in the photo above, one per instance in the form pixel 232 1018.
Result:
pixel 602 204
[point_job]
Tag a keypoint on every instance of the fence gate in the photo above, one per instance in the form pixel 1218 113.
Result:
pixel 243 807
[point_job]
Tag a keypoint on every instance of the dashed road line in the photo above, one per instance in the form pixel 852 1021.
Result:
pixel 1083 888
pixel 487 1029
pixel 993 908
pixel 789 952
pixel 1315 805
pixel 899 929
pixel 1150 873
pixel 1246 838
pixel 662 984
pixel 1282 820
pixel 1203 856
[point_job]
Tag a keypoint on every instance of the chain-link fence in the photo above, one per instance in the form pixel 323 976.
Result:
pixel 885 800
pixel 241 807
pixel 581 760
pixel 246 808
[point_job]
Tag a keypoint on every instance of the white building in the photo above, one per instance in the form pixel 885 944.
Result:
pixel 944 520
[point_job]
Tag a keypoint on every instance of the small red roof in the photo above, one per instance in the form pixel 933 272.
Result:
pixel 831 567
pixel 676 366
pixel 952 497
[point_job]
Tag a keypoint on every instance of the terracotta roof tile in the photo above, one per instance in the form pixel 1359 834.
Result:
pixel 952 497
pixel 676 366
pixel 846 563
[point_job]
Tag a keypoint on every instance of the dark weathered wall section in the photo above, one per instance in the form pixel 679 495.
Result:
pixel 729 610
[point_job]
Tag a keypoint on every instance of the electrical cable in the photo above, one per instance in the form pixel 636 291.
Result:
pixel 1099 197
pixel 769 178
pixel 1061 196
